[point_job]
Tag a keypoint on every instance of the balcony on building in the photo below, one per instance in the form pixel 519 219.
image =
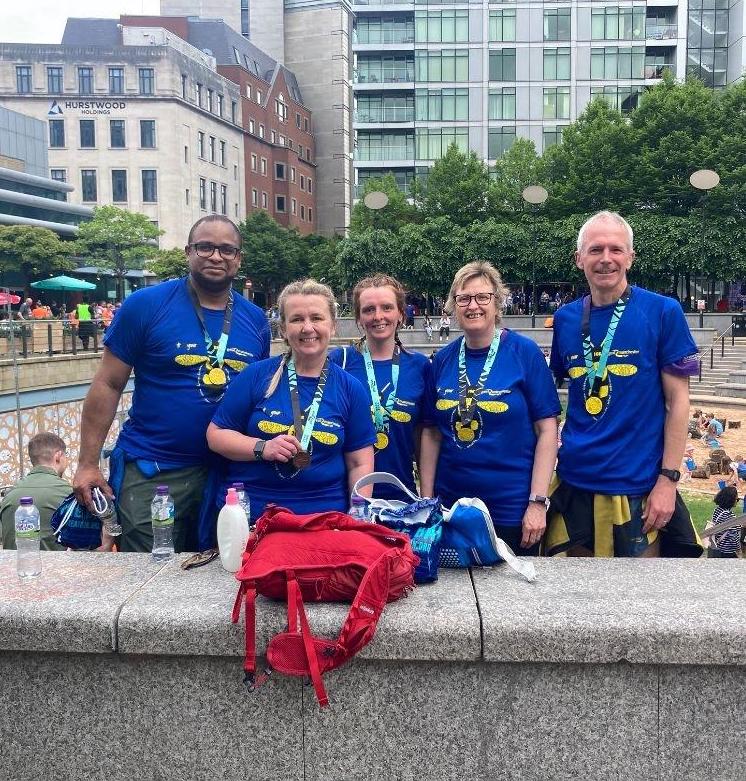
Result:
pixel 375 72
pixel 384 109
pixel 389 148
pixel 364 6
pixel 659 60
pixel 383 32
pixel 661 25
pixel 403 176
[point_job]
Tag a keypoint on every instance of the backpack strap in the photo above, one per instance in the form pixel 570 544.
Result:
pixel 247 594
pixel 311 655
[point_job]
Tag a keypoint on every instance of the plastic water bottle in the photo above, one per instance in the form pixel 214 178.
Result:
pixel 162 514
pixel 233 531
pixel 28 558
pixel 358 509
pixel 243 500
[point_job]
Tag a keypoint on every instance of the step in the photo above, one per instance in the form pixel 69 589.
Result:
pixel 737 390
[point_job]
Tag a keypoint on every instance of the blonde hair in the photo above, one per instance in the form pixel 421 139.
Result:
pixel 303 287
pixel 478 268
pixel 379 280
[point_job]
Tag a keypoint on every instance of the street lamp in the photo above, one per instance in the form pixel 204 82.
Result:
pixel 703 179
pixel 376 200
pixel 534 194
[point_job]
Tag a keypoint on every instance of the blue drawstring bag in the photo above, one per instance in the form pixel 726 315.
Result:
pixel 421 520
pixel 74 526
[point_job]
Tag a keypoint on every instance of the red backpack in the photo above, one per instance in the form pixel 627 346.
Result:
pixel 322 557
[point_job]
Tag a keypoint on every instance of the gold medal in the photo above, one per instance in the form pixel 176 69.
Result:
pixel 216 376
pixel 382 441
pixel 593 405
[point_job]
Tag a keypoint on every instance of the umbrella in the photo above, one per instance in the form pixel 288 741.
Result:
pixel 64 284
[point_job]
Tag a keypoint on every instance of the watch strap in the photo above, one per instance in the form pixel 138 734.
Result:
pixel 259 449
pixel 672 474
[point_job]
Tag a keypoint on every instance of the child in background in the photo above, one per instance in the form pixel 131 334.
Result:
pixel 727 544
pixel 689 464
pixel 427 322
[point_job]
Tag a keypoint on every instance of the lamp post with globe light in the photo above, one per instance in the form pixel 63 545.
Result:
pixel 535 195
pixel 704 179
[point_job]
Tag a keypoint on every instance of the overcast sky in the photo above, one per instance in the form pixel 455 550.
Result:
pixel 43 21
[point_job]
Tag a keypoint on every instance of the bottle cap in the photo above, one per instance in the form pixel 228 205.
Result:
pixel 25 500
pixel 358 500
pixel 238 486
pixel 162 490
pixel 231 497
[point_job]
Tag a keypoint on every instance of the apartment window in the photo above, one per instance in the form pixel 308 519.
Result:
pixel 116 133
pixel 236 56
pixel 85 81
pixel 221 102
pixel 264 166
pixel 252 127
pixel 223 199
pixel 623 99
pixel 234 112
pixel 23 79
pixel 280 203
pixel 282 140
pixel 149 186
pixel 292 173
pixel 557 24
pixel 212 149
pixel 502 103
pixel 261 131
pixel 499 140
pixel 302 212
pixel 302 182
pixel 222 153
pixel 202 194
pixel 87 133
pixel 502 25
pixel 281 109
pixel 54 80
pixel 300 150
pixel 305 125
pixel 259 97
pixel 147 135
pixel 272 137
pixel 248 91
pixel 440 27
pixel 613 62
pixel 310 214
pixel 618 24
pixel 552 136
pixel 146 80
pixel 442 65
pixel 253 162
pixel 265 200
pixel 56 133
pixel 436 105
pixel 279 170
pixel 310 185
pixel 58 174
pixel 184 86
pixel 213 197
pixel 201 144
pixel 116 81
pixel 210 98
pixel 88 189
pixel 556 103
pixel 119 186
pixel 502 65
pixel 293 206
pixel 432 143
pixel 557 63
pixel 308 153
pixel 297 120
pixel 199 94
pixel 254 197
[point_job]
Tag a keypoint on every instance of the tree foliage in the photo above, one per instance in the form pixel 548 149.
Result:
pixel 397 212
pixel 34 252
pixel 169 263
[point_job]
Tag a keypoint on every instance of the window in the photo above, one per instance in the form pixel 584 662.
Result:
pixel 210 100
pixel 499 141
pixel 502 103
pixel 552 135
pixel 302 212
pixel 272 137
pixel 264 200
pixel 211 147
pixel 254 197
pixel 213 197
pixel 222 153
pixel 259 97
pixel 302 182
pixel 502 25
pixel 248 91
pixel 23 79
pixel 149 186
pixel 310 214
pixel 236 56
pixel 202 194
pixel 201 144
pixel 300 150
pixel 223 199
pixel 310 185
pixel 116 81
pixel 280 203
pixel 184 86
pixel 442 65
pixel 87 133
pixel 297 120
pixel 234 112
pixel 502 65
pixel 613 62
pixel 147 136
pixel 618 24
pixel 281 140
pixel 557 24
pixel 119 186
pixel 293 206
pixel 85 81
pixel 557 63
pixel 264 166
pixel 308 153
pixel 261 131
pixel 279 170
pixel 623 99
pixel 56 133
pixel 556 103
pixel 439 105
pixel 305 125
pixel 146 80
pixel 54 80
pixel 253 162
pixel 116 133
pixel 221 102
pixel 292 173
pixel 439 27
pixel 281 108
pixel 58 174
pixel 88 187
pixel 198 88
pixel 432 143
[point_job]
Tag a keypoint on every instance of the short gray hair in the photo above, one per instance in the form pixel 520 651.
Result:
pixel 605 216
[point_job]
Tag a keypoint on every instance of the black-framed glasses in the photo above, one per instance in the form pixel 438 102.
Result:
pixel 464 299
pixel 205 249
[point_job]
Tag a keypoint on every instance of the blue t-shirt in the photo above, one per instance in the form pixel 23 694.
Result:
pixel 496 464
pixel 341 427
pixel 395 452
pixel 157 333
pixel 619 450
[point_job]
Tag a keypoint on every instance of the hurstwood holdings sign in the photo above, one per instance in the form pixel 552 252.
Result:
pixel 86 106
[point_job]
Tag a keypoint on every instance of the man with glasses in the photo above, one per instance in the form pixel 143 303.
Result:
pixel 186 339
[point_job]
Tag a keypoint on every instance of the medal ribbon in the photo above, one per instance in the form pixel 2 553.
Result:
pixel 467 394
pixel 381 414
pixel 595 374
pixel 305 424
pixel 215 348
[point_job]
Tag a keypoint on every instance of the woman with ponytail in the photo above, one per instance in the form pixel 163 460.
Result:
pixel 291 426
pixel 393 376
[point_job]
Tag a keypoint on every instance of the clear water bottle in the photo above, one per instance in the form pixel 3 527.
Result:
pixel 358 509
pixel 162 514
pixel 28 558
pixel 243 500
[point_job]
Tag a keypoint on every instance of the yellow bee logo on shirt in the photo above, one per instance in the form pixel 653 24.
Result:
pixel 212 379
pixel 270 427
pixel 596 406
pixel 466 434
pixel 382 437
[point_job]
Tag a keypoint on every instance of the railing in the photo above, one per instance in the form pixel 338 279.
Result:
pixel 385 153
pixel 657 71
pixel 45 337
pixel 661 31
pixel 385 115
pixel 385 78
pixel 359 189
pixel 385 36
pixel 719 338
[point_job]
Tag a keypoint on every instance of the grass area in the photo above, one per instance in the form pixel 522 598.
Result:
pixel 700 507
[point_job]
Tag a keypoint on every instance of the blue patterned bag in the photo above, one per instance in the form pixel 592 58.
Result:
pixel 420 519
pixel 74 526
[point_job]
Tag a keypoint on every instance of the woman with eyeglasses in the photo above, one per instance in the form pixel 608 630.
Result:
pixel 292 426
pixel 490 427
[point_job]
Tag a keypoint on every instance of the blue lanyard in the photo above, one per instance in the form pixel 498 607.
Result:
pixel 381 414
pixel 595 373
pixel 304 424
pixel 467 393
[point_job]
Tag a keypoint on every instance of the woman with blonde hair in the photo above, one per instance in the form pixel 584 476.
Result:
pixel 490 427
pixel 291 425
pixel 394 377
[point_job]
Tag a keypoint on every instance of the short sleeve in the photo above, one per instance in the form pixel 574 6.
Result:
pixel 359 430
pixel 429 396
pixel 675 340
pixel 541 395
pixel 338 356
pixel 265 338
pixel 127 334
pixel 239 401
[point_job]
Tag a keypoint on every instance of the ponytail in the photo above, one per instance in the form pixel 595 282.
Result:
pixel 277 376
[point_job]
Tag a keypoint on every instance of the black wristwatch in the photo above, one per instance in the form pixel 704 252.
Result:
pixel 672 474
pixel 259 449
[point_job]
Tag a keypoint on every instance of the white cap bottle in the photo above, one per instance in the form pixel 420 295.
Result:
pixel 233 531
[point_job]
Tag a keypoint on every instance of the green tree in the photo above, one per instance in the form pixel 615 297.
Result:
pixel 34 252
pixel 518 168
pixel 368 252
pixel 117 240
pixel 169 263
pixel 397 212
